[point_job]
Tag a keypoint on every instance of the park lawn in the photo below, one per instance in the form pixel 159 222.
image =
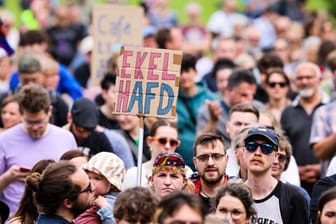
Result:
pixel 209 6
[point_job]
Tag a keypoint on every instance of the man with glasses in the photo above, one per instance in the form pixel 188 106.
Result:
pixel 275 202
pixel 210 161
pixel 62 192
pixel 30 72
pixel 25 144
pixel 296 121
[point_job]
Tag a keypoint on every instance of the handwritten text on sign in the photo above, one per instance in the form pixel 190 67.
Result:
pixel 123 27
pixel 148 81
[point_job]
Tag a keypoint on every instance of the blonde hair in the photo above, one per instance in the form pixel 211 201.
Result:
pixel 188 186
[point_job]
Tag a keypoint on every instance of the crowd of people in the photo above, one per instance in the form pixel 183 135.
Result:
pixel 253 140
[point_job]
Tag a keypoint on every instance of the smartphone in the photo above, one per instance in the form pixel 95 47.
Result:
pixel 24 169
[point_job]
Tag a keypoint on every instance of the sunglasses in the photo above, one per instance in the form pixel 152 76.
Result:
pixel 265 148
pixel 164 140
pixel 282 158
pixel 87 189
pixel 214 156
pixel 82 130
pixel 281 84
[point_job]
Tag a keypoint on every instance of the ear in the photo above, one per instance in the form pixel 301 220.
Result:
pixel 185 181
pixel 104 94
pixel 227 126
pixel 50 110
pixel 149 140
pixel 67 203
pixel 195 162
pixel 227 158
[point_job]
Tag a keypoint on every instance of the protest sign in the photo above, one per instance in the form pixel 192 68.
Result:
pixel 113 26
pixel 147 83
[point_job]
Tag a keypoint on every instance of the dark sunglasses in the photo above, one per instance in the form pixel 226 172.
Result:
pixel 265 148
pixel 82 130
pixel 164 140
pixel 213 156
pixel 282 158
pixel 87 189
pixel 281 84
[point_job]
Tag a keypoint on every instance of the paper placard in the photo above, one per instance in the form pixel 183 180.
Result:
pixel 148 81
pixel 113 26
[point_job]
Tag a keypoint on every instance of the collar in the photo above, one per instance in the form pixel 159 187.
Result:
pixel 197 183
pixel 325 99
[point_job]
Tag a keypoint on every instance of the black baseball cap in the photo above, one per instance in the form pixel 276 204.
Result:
pixel 84 113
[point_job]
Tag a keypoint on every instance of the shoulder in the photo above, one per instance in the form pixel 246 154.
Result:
pixel 59 130
pixel 9 134
pixel 290 191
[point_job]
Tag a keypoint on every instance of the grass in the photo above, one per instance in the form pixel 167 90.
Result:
pixel 209 6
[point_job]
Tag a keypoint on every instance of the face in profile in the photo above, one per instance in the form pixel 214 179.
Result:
pixel 85 196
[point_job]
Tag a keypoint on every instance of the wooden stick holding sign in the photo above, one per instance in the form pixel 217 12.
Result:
pixel 147 86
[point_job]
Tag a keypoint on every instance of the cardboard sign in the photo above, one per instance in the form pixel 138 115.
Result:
pixel 148 81
pixel 113 26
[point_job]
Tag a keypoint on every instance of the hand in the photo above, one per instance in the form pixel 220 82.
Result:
pixel 215 110
pixel 100 201
pixel 14 174
pixel 310 173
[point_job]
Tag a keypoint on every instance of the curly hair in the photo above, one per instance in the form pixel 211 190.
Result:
pixel 141 205
pixel 33 98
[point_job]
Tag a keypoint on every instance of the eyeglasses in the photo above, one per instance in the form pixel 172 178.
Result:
pixel 281 84
pixel 234 213
pixel 164 140
pixel 282 157
pixel 40 123
pixel 214 156
pixel 87 189
pixel 265 148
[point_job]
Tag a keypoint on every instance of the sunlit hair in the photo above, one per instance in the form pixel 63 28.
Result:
pixel 172 169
